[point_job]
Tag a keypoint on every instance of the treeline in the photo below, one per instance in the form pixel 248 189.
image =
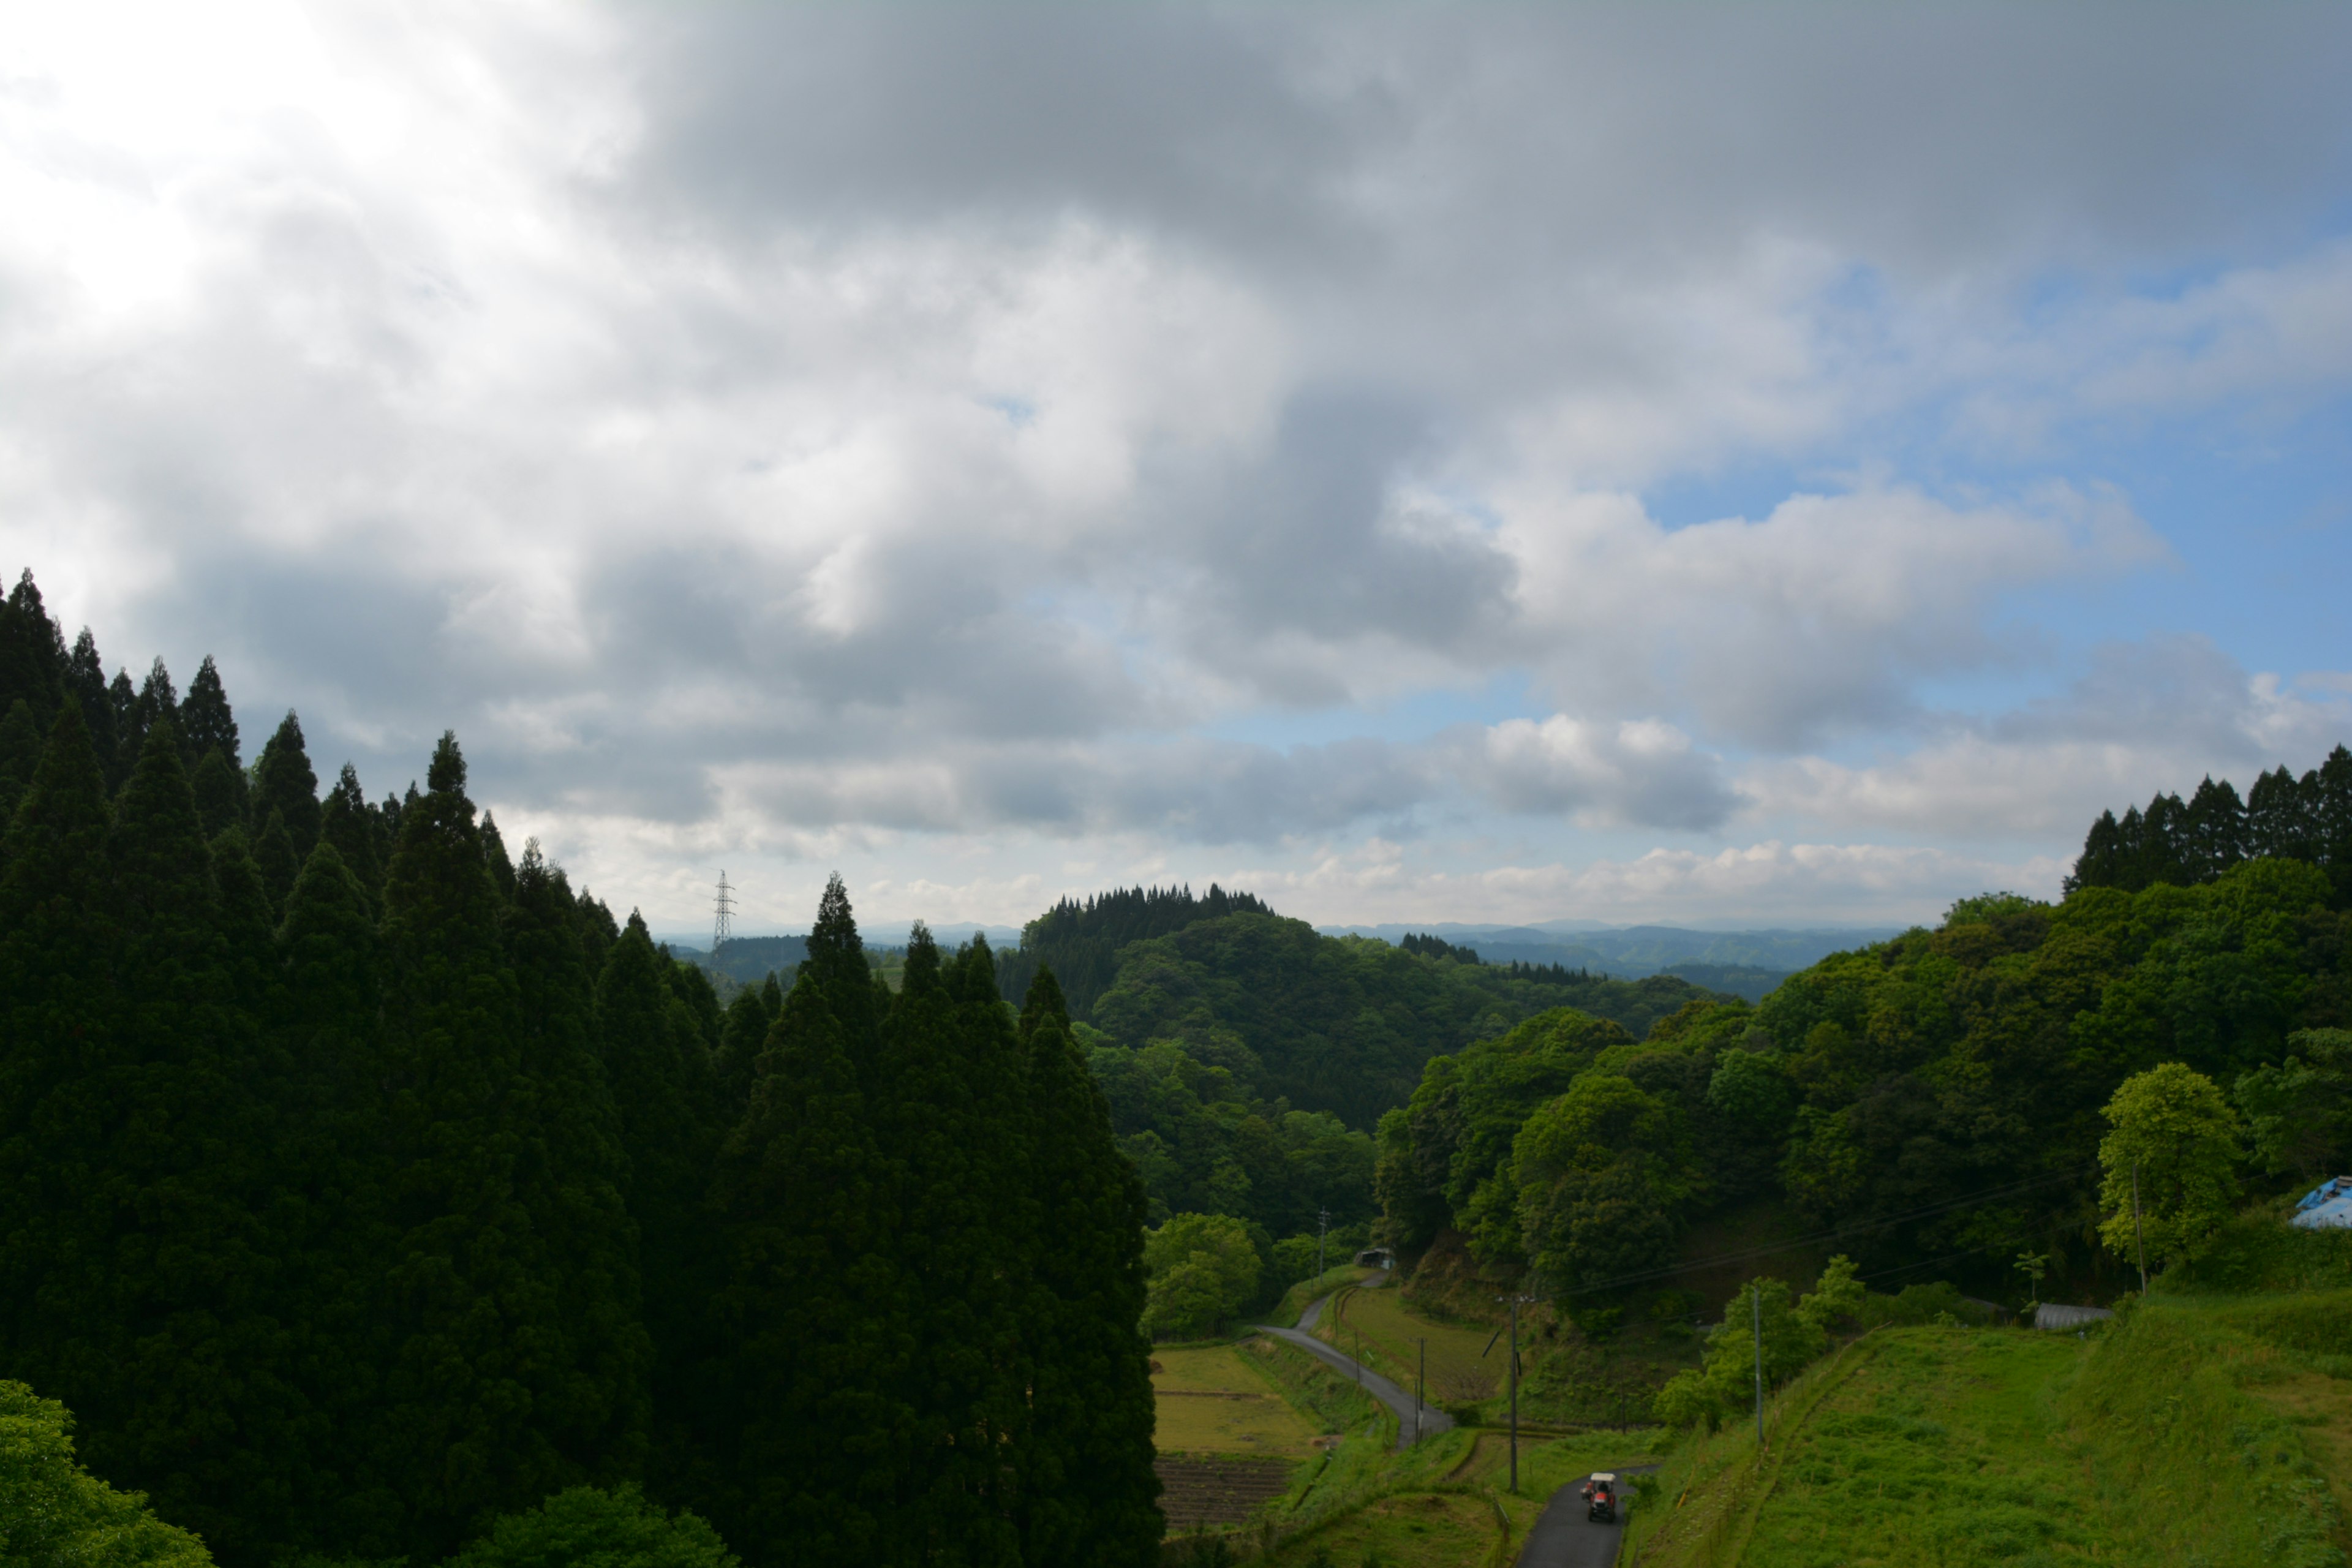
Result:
pixel 2186 842
pixel 346 1225
pixel 1933 1098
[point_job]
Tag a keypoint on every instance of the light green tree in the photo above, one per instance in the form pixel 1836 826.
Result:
pixel 1793 1335
pixel 2177 1136
pixel 1204 1269
pixel 55 1514
pixel 586 1528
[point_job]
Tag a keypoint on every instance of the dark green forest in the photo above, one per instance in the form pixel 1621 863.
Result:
pixel 360 1185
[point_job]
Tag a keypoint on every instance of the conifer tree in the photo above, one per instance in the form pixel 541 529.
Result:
pixel 85 680
pixel 158 703
pixel 330 1221
pixel 742 1035
pixel 205 722
pixel 182 1296
pixel 476 1341
pixel 220 791
pixel 20 756
pixel 816 1425
pixel 279 860
pixel 579 1165
pixel 494 856
pixel 948 1108
pixel 667 1096
pixel 283 782
pixel 122 702
pixel 351 825
pixel 1088 1489
pixel 32 652
pixel 57 1071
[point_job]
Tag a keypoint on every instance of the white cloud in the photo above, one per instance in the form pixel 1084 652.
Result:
pixel 824 431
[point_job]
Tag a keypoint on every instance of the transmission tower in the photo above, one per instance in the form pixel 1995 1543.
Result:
pixel 723 925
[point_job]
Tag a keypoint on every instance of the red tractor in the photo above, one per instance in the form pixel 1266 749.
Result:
pixel 1600 1497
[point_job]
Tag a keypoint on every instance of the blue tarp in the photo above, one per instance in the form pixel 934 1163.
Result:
pixel 2327 1207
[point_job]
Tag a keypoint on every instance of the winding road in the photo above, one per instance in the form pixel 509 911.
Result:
pixel 1431 1419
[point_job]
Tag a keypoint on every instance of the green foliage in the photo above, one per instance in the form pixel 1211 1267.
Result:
pixel 1791 1336
pixel 2171 1163
pixel 2299 1111
pixel 1204 1143
pixel 55 1514
pixel 583 1527
pixel 1601 1174
pixel 1204 1269
pixel 1080 943
pixel 285 784
pixel 1341 1024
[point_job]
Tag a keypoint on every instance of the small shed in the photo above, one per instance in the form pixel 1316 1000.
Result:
pixel 2327 1207
pixel 1376 1257
pixel 2052 1317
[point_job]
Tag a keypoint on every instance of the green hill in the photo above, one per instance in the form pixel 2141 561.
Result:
pixel 2195 1428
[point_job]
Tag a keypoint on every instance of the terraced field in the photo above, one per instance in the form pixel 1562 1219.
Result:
pixel 1212 1402
pixel 1218 1490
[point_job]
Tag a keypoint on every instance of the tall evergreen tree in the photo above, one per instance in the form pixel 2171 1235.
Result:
pixel 477 1340
pixel 666 1095
pixel 283 782
pixel 122 701
pixel 32 652
pixel 20 756
pixel 352 827
pixel 182 1295
pixel 206 723
pixel 331 1221
pixel 158 703
pixel 85 681
pixel 279 860
pixel 578 1172
pixel 494 856
pixel 58 1074
pixel 219 789
pixel 949 1108
pixel 1088 1491
pixel 813 1421
pixel 743 1036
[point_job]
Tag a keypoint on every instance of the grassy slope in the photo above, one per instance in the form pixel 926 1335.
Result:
pixel 2186 1433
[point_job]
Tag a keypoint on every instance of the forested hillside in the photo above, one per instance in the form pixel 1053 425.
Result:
pixel 1934 1099
pixel 2307 818
pixel 359 1185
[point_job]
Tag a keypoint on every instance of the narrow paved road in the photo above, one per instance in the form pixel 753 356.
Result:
pixel 1432 1420
pixel 1565 1537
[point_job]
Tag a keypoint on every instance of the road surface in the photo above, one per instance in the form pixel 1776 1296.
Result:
pixel 1432 1420
pixel 1565 1537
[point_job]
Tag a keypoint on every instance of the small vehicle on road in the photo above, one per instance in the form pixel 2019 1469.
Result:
pixel 1600 1497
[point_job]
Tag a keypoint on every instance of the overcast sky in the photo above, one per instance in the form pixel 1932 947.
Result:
pixel 1483 463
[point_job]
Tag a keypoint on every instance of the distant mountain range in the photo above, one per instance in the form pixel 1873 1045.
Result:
pixel 1745 963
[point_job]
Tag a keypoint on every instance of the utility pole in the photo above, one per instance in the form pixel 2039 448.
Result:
pixel 1420 1387
pixel 2140 1242
pixel 1755 1299
pixel 1322 1229
pixel 1512 1374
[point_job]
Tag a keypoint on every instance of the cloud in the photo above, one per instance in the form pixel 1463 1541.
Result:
pixel 843 431
pixel 2150 717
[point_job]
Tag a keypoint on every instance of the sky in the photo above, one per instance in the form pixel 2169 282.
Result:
pixel 1703 464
